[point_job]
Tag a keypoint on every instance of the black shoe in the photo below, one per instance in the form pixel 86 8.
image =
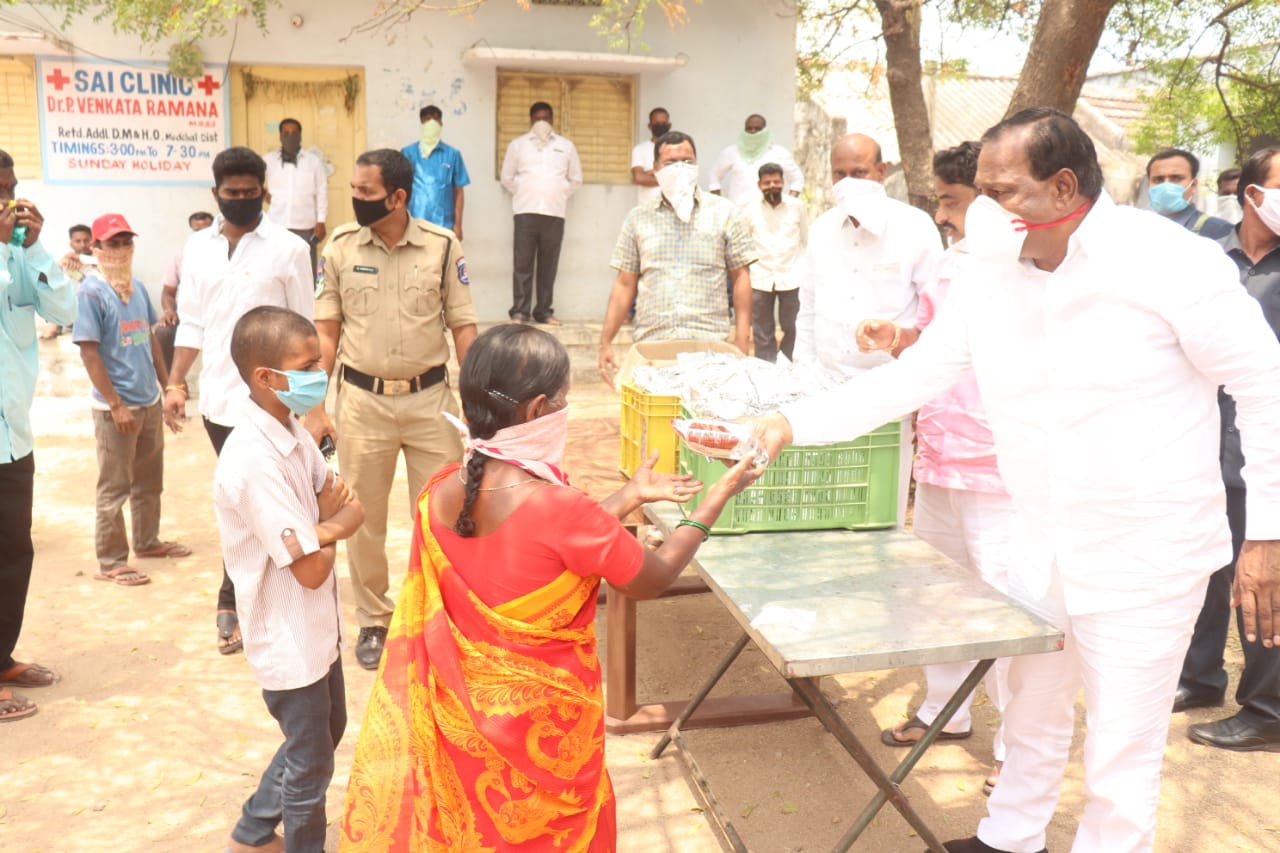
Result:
pixel 1185 700
pixel 972 845
pixel 369 646
pixel 1237 733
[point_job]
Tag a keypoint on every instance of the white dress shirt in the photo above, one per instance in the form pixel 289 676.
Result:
pixel 780 234
pixel 642 156
pixel 541 180
pixel 849 274
pixel 743 176
pixel 1100 382
pixel 299 192
pixel 264 495
pixel 270 266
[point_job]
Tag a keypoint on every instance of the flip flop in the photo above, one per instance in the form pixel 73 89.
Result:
pixel 15 707
pixel 123 575
pixel 228 624
pixel 892 737
pixel 28 675
pixel 171 550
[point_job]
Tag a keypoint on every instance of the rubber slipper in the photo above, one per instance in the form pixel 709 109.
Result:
pixel 28 675
pixel 123 576
pixel 171 550
pixel 15 707
pixel 228 625
pixel 893 737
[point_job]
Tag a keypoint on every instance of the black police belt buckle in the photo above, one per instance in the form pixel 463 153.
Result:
pixel 393 387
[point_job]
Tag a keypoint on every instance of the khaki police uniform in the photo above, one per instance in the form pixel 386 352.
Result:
pixel 395 305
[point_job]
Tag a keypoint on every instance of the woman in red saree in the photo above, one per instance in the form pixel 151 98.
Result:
pixel 485 728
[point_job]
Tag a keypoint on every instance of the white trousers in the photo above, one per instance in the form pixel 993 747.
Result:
pixel 1128 662
pixel 972 528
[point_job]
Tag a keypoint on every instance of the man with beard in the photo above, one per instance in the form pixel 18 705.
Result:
pixel 392 285
pixel 299 187
pixel 240 262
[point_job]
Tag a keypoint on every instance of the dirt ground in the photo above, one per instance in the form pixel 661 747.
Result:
pixel 152 740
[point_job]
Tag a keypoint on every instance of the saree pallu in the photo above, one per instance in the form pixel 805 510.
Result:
pixel 485 728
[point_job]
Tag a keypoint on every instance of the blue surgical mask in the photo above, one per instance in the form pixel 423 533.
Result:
pixel 306 389
pixel 1167 198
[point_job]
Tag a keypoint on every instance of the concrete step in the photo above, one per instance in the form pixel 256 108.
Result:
pixel 63 375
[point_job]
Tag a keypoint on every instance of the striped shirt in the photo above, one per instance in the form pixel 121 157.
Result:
pixel 264 493
pixel 683 266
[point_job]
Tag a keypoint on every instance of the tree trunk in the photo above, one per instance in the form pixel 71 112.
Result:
pixel 900 24
pixel 1066 36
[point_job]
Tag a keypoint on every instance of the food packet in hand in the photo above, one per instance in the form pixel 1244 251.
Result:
pixel 719 439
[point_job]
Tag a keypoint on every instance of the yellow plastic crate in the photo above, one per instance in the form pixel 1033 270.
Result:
pixel 646 426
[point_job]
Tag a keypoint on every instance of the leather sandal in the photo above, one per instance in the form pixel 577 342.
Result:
pixel 896 735
pixel 228 627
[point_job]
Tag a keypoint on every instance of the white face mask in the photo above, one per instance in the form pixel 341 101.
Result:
pixel 678 181
pixel 992 234
pixel 1269 210
pixel 865 201
pixel 542 132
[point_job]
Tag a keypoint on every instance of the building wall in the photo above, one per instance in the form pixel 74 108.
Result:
pixel 740 59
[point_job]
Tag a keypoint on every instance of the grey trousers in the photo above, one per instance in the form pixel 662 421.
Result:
pixel 130 468
pixel 762 329
pixel 537 239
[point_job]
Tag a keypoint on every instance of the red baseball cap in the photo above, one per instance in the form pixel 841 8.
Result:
pixel 109 225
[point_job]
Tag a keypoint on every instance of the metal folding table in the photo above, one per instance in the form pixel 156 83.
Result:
pixel 831 602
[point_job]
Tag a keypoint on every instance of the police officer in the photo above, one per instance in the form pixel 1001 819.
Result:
pixel 391 286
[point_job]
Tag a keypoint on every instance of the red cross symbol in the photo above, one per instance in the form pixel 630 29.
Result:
pixel 208 84
pixel 57 79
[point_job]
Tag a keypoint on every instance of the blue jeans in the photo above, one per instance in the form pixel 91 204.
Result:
pixel 292 789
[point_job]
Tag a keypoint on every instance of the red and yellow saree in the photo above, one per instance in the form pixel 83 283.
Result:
pixel 484 731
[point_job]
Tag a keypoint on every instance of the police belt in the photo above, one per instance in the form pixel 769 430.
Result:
pixel 393 387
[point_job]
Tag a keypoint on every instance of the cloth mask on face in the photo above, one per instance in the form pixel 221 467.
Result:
pixel 535 446
pixel 678 182
pixel 116 266
pixel 865 201
pixel 241 212
pixel 660 130
pixel 994 235
pixel 431 130
pixel 774 197
pixel 542 133
pixel 290 145
pixel 369 211
pixel 752 145
pixel 1269 210
pixel 306 389
pixel 1166 199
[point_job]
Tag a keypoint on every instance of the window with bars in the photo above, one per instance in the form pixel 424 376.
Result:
pixel 594 111
pixel 21 118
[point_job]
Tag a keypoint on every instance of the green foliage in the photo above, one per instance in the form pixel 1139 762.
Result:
pixel 157 20
pixel 621 22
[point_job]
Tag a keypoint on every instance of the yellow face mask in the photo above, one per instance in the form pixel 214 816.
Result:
pixel 431 130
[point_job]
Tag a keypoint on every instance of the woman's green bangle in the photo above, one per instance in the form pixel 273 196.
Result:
pixel 689 522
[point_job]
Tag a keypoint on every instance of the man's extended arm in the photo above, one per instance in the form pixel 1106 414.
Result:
pixel 621 297
pixel 741 278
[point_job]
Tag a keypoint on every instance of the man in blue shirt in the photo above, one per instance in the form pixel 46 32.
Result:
pixel 126 366
pixel 30 283
pixel 438 175
pixel 1173 178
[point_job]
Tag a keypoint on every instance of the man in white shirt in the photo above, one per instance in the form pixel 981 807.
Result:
pixel 867 258
pixel 1098 335
pixel 299 187
pixel 780 226
pixel 739 164
pixel 240 262
pixel 540 170
pixel 647 188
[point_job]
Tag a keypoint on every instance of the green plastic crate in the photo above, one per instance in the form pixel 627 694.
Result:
pixel 852 485
pixel 646 426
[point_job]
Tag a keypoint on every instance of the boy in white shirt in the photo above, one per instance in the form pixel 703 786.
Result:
pixel 281 511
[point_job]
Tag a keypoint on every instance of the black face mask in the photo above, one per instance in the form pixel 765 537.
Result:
pixel 661 129
pixel 773 196
pixel 369 211
pixel 241 212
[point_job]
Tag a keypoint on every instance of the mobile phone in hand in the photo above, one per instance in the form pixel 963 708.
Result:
pixel 327 447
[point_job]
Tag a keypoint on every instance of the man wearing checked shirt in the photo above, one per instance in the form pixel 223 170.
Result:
pixel 672 257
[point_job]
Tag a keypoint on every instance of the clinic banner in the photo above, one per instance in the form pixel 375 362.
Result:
pixel 113 123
